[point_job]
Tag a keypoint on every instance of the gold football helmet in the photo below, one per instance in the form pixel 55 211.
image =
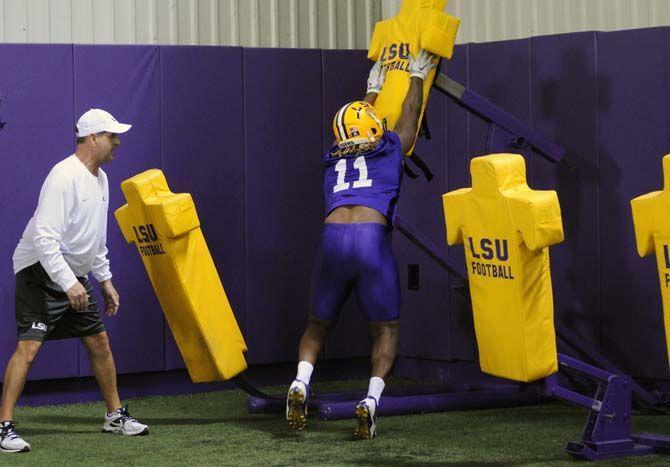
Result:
pixel 357 123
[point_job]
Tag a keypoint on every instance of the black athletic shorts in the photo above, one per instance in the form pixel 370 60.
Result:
pixel 43 310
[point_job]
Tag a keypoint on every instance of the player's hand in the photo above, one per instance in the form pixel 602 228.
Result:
pixel 78 297
pixel 376 77
pixel 111 297
pixel 420 65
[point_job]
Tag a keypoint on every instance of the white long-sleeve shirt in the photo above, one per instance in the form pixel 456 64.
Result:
pixel 68 232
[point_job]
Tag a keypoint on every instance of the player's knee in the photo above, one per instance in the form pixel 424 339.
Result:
pixel 384 330
pixel 97 344
pixel 27 351
pixel 319 325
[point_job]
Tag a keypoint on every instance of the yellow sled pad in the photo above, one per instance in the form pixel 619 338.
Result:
pixel 651 216
pixel 419 24
pixel 506 229
pixel 165 228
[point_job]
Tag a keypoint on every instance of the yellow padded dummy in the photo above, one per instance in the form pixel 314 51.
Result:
pixel 506 228
pixel 166 230
pixel 419 24
pixel 651 216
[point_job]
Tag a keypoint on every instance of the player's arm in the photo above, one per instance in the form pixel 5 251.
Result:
pixel 375 82
pixel 407 125
pixel 370 98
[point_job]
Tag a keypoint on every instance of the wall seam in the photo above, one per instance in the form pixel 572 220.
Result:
pixel 665 90
pixel 530 98
pixel 162 151
pixel 598 223
pixel 245 216
pixel 74 147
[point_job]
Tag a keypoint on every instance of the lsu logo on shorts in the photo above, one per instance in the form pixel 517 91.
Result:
pixel 39 327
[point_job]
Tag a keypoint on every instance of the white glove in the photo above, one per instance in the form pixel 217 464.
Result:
pixel 376 77
pixel 422 64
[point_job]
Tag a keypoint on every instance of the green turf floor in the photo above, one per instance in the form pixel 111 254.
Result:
pixel 215 429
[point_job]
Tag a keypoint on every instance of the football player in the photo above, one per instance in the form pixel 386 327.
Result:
pixel 362 175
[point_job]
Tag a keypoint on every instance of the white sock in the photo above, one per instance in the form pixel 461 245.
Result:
pixel 305 370
pixel 375 388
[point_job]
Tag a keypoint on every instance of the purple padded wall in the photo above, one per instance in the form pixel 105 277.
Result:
pixel 203 154
pixel 350 338
pixel 564 105
pixel 458 127
pixel 125 80
pixel 36 93
pixel 633 136
pixel 420 206
pixel 499 72
pixel 461 334
pixel 610 115
pixel 283 147
pixel 261 192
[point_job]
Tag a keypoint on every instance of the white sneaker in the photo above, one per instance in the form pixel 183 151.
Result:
pixel 366 413
pixel 10 441
pixel 120 422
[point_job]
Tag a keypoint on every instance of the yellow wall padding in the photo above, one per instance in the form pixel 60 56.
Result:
pixel 506 229
pixel 166 230
pixel 419 24
pixel 651 216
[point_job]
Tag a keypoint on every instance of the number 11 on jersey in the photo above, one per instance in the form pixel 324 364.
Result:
pixel 341 169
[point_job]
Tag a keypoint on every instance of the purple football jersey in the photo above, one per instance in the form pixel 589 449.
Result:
pixel 369 179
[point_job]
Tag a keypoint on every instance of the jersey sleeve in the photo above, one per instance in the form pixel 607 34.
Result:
pixel 394 141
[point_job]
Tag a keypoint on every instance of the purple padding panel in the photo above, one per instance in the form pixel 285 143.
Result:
pixel 203 151
pixel 283 149
pixel 36 92
pixel 499 72
pixel 424 317
pixel 458 128
pixel 461 334
pixel 125 80
pixel 633 136
pixel 564 105
pixel 338 91
pixel 350 337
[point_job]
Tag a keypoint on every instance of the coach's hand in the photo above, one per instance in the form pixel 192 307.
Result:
pixel 78 297
pixel 111 297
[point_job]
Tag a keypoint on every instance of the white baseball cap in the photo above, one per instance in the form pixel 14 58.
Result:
pixel 97 120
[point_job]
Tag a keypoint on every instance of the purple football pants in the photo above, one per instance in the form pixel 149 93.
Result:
pixel 358 257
